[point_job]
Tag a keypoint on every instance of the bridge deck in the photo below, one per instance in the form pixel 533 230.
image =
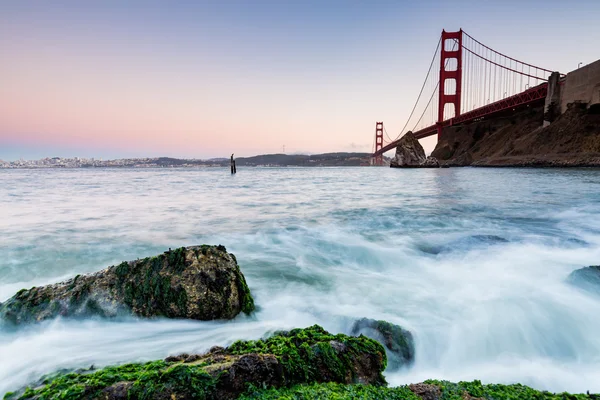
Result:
pixel 530 96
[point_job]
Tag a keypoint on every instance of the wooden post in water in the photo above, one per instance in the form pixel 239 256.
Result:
pixel 233 169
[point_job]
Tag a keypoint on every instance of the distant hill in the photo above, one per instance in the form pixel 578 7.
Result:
pixel 265 160
pixel 316 160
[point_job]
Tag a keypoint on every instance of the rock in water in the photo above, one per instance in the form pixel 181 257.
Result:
pixel 587 278
pixel 410 154
pixel 398 342
pixel 300 356
pixel 199 282
pixel 430 162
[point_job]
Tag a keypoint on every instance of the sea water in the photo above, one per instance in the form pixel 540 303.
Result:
pixel 472 261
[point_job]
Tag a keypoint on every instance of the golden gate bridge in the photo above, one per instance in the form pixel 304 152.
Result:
pixel 474 82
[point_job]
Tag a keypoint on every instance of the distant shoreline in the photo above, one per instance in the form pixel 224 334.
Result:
pixel 267 160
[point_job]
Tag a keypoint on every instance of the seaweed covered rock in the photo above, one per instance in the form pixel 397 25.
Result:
pixel 398 342
pixel 337 391
pixel 438 390
pixel 300 356
pixel 587 278
pixel 432 390
pixel 199 282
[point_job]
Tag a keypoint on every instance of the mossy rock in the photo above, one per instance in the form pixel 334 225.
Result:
pixel 309 355
pixel 199 282
pixel 430 390
pixel 328 391
pixel 476 390
pixel 398 342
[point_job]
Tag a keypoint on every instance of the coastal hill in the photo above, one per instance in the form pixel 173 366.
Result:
pixel 266 160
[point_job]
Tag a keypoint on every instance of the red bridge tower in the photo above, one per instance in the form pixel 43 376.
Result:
pixel 378 160
pixel 451 49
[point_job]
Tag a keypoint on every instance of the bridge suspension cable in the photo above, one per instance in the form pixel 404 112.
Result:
pixel 490 76
pixel 435 55
pixel 474 81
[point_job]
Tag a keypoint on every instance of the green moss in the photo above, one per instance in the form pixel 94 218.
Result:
pixel 147 379
pixel 80 293
pixel 154 294
pixel 400 341
pixel 335 391
pixel 303 353
pixel 176 259
pixel 246 300
pixel 74 282
pixel 456 391
pixel 205 249
pixel 122 270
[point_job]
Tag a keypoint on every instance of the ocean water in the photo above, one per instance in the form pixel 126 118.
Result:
pixel 472 261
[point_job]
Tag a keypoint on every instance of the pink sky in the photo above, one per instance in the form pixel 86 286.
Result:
pixel 207 80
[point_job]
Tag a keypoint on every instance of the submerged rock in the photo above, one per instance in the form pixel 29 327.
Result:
pixel 410 154
pixel 301 356
pixel 199 282
pixel 587 278
pixel 398 342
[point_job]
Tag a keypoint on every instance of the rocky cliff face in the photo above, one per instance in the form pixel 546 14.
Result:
pixel 518 139
pixel 410 154
pixel 200 282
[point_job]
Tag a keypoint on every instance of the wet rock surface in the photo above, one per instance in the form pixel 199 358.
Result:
pixel 198 282
pixel 300 356
pixel 410 154
pixel 426 391
pixel 398 342
pixel 587 278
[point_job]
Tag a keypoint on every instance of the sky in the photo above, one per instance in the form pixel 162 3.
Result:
pixel 201 79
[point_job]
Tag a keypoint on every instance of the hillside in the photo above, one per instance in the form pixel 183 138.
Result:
pixel 317 160
pixel 572 140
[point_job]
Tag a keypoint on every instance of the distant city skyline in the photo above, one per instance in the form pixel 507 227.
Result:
pixel 109 79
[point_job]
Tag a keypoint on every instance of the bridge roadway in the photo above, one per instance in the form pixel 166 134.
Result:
pixel 532 96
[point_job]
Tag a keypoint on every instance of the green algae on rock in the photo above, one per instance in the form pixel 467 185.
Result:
pixel 287 358
pixel 431 390
pixel 476 390
pixel 398 342
pixel 327 391
pixel 315 355
pixel 198 282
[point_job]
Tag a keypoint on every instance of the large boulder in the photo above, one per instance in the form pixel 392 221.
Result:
pixel 587 278
pixel 199 282
pixel 398 342
pixel 300 356
pixel 410 154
